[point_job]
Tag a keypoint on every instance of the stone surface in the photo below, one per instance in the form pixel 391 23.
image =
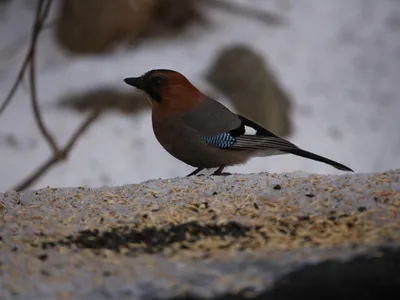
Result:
pixel 275 236
pixel 243 76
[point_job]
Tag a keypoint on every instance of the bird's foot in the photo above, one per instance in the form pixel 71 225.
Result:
pixel 221 174
pixel 195 172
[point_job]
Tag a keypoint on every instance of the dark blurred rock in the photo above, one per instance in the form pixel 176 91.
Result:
pixel 363 277
pixel 106 99
pixel 174 15
pixel 245 78
pixel 95 26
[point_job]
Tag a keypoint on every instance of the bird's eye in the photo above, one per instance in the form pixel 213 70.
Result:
pixel 157 80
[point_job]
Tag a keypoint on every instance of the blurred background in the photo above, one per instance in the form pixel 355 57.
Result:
pixel 323 74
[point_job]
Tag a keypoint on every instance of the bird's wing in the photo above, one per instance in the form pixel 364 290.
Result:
pixel 210 118
pixel 252 136
pixel 219 127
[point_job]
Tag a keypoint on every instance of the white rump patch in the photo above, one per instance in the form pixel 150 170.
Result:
pixel 249 130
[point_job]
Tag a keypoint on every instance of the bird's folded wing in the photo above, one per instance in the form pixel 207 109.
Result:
pixel 211 118
pixel 248 142
pixel 257 142
pixel 219 127
pixel 248 136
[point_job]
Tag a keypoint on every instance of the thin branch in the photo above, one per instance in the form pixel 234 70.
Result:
pixel 38 118
pixel 40 16
pixel 10 49
pixel 45 13
pixel 17 82
pixel 60 156
pixel 39 9
pixel 49 25
pixel 77 134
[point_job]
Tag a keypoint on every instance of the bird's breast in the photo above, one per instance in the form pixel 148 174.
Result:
pixel 172 134
pixel 185 144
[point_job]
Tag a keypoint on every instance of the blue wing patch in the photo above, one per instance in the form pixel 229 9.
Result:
pixel 223 140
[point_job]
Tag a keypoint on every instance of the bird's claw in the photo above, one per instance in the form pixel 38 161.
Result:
pixel 221 174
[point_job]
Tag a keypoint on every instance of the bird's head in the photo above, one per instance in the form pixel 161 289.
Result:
pixel 167 88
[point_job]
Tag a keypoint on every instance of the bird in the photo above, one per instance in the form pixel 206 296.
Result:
pixel 202 132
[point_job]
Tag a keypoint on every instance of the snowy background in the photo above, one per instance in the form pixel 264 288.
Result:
pixel 338 59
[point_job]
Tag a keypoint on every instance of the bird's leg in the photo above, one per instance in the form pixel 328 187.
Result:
pixel 195 172
pixel 219 172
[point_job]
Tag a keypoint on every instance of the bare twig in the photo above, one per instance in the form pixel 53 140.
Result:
pixel 62 154
pixel 18 80
pixel 42 11
pixel 58 154
pixel 43 14
pixel 40 16
pixel 10 49
pixel 68 147
pixel 49 25
pixel 32 76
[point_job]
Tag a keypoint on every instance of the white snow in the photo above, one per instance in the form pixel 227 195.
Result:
pixel 338 59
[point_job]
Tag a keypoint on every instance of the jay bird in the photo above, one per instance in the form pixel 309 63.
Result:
pixel 204 133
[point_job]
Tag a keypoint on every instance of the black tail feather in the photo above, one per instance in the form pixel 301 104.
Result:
pixel 316 157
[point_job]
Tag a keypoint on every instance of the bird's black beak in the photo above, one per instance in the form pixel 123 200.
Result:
pixel 137 82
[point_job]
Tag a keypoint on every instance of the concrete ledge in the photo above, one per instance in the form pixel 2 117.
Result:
pixel 268 236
